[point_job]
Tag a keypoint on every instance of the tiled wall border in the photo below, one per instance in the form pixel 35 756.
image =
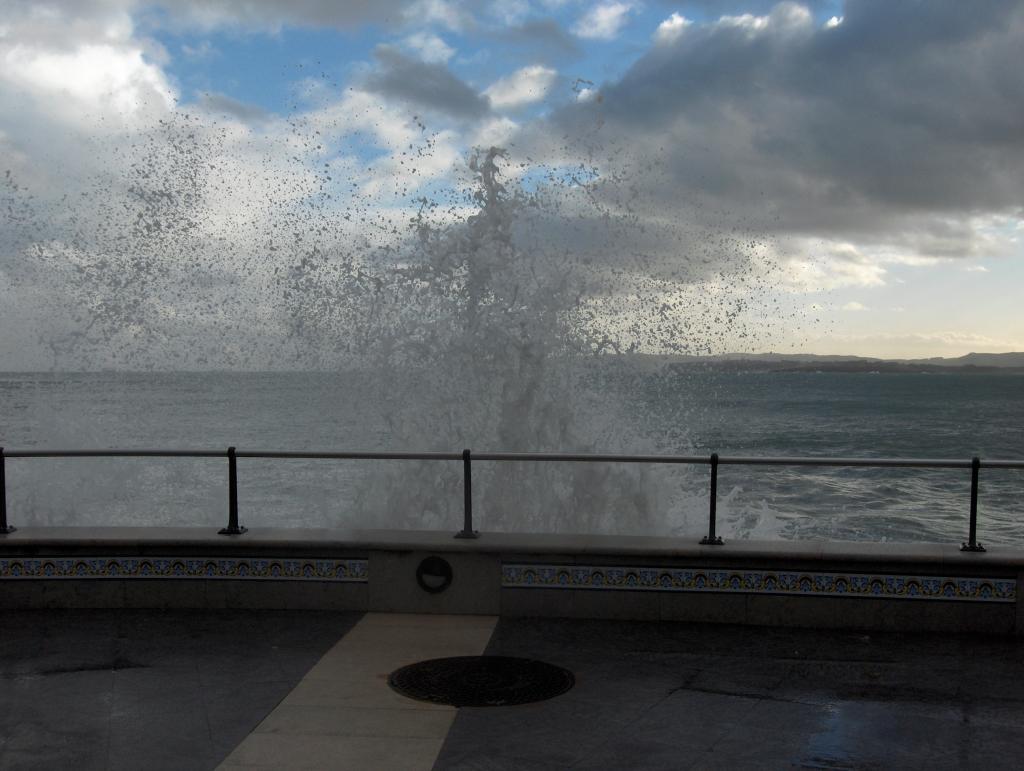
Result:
pixel 246 568
pixel 668 579
pixel 530 576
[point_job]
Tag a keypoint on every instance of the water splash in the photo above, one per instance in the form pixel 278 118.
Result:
pixel 480 334
pixel 496 316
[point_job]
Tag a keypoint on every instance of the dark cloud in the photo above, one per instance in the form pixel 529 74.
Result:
pixel 432 86
pixel 713 9
pixel 902 117
pixel 226 105
pixel 273 14
pixel 543 39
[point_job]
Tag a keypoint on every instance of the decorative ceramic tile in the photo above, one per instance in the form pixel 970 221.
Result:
pixel 758 582
pixel 259 568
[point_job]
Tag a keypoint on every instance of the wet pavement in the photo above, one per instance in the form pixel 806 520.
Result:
pixel 182 689
pixel 676 696
pixel 132 689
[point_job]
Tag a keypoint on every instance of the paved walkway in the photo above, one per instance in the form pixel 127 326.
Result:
pixel 344 715
pixel 197 689
pixel 132 689
pixel 678 696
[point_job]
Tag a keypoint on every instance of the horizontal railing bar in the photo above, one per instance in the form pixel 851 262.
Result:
pixel 352 455
pixel 1002 464
pixel 239 454
pixel 525 457
pixel 589 457
pixel 875 462
pixel 115 453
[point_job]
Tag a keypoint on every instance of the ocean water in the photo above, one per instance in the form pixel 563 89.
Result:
pixel 670 410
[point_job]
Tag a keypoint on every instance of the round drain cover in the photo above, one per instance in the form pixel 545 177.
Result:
pixel 481 681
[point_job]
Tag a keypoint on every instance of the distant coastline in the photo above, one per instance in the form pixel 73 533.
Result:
pixel 980 363
pixel 1011 363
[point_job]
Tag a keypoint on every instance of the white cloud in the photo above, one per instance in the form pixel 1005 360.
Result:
pixel 89 78
pixel 437 12
pixel 816 265
pixel 671 29
pixel 853 305
pixel 834 22
pixel 789 14
pixel 204 50
pixel 784 17
pixel 603 22
pixel 530 84
pixel 430 47
pixel 976 269
pixel 745 21
pixel 85 71
pixel 510 12
pixel 494 133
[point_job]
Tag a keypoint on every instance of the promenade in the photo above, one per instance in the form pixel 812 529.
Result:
pixel 201 689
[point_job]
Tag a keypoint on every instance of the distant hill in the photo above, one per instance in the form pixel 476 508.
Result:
pixel 809 362
pixel 977 360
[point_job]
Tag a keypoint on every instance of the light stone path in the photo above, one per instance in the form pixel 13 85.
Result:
pixel 343 714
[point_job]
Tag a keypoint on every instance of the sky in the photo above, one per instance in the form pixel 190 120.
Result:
pixel 859 163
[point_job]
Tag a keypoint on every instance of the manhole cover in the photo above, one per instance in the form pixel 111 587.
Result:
pixel 481 681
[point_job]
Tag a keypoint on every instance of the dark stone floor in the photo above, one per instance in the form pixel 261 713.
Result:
pixel 180 689
pixel 677 696
pixel 133 689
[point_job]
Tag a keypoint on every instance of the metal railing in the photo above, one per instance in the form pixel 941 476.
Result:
pixel 713 461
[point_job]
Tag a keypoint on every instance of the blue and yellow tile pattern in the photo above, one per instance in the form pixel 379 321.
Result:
pixel 250 568
pixel 671 579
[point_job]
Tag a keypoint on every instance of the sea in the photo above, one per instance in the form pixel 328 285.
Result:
pixel 671 410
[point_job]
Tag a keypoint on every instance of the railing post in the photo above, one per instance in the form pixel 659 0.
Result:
pixel 4 527
pixel 972 537
pixel 233 527
pixel 711 539
pixel 467 498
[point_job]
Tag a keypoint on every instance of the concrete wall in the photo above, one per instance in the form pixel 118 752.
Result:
pixel 910 587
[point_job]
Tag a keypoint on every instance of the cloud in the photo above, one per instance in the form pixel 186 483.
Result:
pixel 670 30
pixel 226 105
pixel 204 50
pixel 603 22
pixel 713 9
pixel 815 265
pixel 72 74
pixel 525 86
pixel 447 14
pixel 542 40
pixel 432 86
pixel 853 305
pixel 494 133
pixel 834 153
pixel 430 47
pixel 89 79
pixel 273 15
pixel 897 130
pixel 510 12
pixel 139 231
pixel 82 65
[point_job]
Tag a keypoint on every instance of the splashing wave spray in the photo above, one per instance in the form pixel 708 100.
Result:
pixel 486 325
